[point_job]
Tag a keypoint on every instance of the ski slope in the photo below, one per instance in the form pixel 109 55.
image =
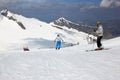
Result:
pixel 36 32
pixel 70 63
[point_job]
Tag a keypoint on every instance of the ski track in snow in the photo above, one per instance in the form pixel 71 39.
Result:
pixel 48 67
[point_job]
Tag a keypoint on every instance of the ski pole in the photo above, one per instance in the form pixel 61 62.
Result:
pixel 93 45
pixel 94 41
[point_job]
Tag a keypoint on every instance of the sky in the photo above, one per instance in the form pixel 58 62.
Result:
pixel 74 10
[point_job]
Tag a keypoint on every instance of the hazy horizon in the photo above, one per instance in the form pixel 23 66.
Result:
pixel 74 10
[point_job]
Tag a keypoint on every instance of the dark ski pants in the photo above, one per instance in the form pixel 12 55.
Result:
pixel 99 41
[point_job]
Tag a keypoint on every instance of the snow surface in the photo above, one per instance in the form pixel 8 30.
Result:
pixel 68 63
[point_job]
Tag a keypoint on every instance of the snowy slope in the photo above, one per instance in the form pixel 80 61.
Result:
pixel 71 63
pixel 68 63
pixel 36 32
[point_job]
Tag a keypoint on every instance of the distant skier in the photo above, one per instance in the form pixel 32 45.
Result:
pixel 99 33
pixel 57 41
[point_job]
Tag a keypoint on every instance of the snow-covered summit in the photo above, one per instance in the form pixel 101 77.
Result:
pixel 63 21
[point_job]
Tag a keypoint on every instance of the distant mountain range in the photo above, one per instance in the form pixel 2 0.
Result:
pixel 80 27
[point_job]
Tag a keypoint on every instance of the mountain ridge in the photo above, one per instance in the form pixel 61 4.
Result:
pixel 80 27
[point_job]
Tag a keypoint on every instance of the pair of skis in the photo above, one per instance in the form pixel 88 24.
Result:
pixel 98 49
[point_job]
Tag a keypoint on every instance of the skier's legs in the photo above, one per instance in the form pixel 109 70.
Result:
pixel 58 44
pixel 99 44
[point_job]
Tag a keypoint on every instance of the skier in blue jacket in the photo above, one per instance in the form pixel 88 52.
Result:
pixel 57 41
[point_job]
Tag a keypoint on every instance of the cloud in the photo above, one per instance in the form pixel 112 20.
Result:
pixel 37 1
pixel 6 2
pixel 20 3
pixel 110 3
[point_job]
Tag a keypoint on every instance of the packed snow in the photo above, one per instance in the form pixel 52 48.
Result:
pixel 68 63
